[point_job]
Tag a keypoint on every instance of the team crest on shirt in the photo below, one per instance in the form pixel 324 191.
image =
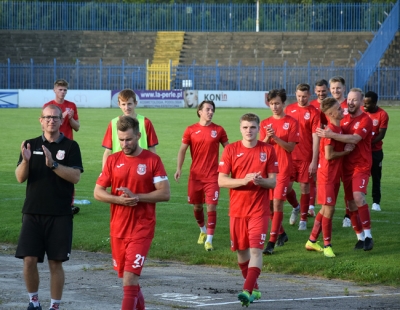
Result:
pixel 357 125
pixel 286 126
pixel 141 169
pixel 263 157
pixel 307 115
pixel 213 133
pixel 329 199
pixel 345 111
pixel 375 122
pixel 60 154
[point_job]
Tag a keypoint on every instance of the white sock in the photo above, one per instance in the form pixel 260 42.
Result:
pixel 367 233
pixel 203 229
pixel 34 299
pixel 361 236
pixel 209 238
pixel 55 304
pixel 311 207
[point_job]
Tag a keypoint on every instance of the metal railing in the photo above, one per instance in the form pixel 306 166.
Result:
pixel 369 61
pixel 384 81
pixel 36 15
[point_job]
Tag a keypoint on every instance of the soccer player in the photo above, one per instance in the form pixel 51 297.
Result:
pixel 204 139
pixel 337 87
pixel 70 120
pixel 51 164
pixel 127 103
pixel 356 169
pixel 138 181
pixel 321 90
pixel 305 154
pixel 248 168
pixel 281 131
pixel 380 120
pixel 330 161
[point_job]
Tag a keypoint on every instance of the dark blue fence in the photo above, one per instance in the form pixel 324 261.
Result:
pixel 384 81
pixel 35 15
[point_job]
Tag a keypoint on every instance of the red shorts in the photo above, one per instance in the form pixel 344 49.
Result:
pixel 300 172
pixel 248 233
pixel 281 187
pixel 327 194
pixel 200 192
pixel 129 254
pixel 355 182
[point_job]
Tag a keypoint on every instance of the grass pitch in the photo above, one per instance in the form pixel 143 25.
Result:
pixel 177 232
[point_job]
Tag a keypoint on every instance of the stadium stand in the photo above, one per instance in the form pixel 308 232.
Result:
pixel 205 48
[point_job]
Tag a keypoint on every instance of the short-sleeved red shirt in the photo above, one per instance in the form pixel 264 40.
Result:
pixel 308 119
pixel 287 130
pixel 360 159
pixel 329 170
pixel 204 144
pixel 380 120
pixel 137 174
pixel 237 160
pixel 65 127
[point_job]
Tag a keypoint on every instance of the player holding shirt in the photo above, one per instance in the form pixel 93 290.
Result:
pixel 328 175
pixel 305 154
pixel 380 120
pixel 357 129
pixel 204 139
pixel 282 132
pixel 148 141
pixel 138 181
pixel 248 168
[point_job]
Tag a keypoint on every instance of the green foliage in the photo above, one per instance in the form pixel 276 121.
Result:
pixel 176 230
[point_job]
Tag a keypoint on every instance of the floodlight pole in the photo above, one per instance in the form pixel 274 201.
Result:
pixel 258 14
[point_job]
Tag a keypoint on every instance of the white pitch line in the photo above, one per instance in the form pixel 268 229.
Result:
pixel 301 299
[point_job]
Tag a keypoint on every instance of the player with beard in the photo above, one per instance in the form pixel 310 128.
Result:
pixel 356 169
pixel 138 181
pixel 281 131
pixel 305 154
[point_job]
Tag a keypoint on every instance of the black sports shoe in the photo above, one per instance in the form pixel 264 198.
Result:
pixel 368 244
pixel 282 238
pixel 32 307
pixel 75 210
pixel 269 249
pixel 359 245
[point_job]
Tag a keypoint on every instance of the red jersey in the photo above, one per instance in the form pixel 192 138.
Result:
pixel 324 121
pixel 237 160
pixel 204 149
pixel 287 130
pixel 308 120
pixel 65 127
pixel 380 120
pixel 360 159
pixel 136 173
pixel 329 170
pixel 344 106
pixel 152 139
